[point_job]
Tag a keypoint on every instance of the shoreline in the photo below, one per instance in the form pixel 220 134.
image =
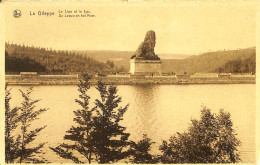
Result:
pixel 127 81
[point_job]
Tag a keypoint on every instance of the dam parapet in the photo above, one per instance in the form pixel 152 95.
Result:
pixel 128 79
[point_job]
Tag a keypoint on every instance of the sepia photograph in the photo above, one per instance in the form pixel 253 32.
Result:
pixel 130 82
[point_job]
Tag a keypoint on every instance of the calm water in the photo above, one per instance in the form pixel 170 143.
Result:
pixel 159 111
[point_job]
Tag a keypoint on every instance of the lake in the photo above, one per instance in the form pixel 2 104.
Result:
pixel 156 110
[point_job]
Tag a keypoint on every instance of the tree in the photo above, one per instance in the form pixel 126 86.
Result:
pixel 28 114
pixel 82 134
pixel 208 140
pixel 140 151
pixel 17 149
pixel 110 137
pixel 110 64
pixel 98 135
pixel 12 119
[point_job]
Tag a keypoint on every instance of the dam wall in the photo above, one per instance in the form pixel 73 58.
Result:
pixel 130 79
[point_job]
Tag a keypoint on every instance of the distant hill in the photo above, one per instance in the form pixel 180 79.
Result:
pixel 213 62
pixel 121 58
pixel 179 63
pixel 23 58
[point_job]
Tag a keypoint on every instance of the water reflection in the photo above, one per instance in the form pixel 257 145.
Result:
pixel 145 112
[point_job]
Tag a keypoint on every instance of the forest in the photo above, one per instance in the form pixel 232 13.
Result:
pixel 21 58
pixel 228 61
pixel 247 65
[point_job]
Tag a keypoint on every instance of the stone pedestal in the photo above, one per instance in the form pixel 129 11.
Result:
pixel 145 67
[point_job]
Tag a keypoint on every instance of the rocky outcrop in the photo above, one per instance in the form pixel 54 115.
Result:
pixel 145 50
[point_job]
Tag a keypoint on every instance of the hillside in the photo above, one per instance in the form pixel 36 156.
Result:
pixel 213 62
pixel 121 58
pixel 239 66
pixel 179 63
pixel 14 64
pixel 23 58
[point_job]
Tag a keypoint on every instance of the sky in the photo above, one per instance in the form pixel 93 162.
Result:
pixel 181 28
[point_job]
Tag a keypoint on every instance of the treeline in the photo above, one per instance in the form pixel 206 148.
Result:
pixel 98 136
pixel 241 60
pixel 16 65
pixel 47 61
pixel 239 66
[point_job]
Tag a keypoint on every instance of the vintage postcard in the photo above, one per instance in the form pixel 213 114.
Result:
pixel 139 82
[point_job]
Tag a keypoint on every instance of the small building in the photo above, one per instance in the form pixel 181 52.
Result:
pixel 224 75
pixel 204 76
pixel 183 76
pixel 242 77
pixel 28 74
pixel 60 77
